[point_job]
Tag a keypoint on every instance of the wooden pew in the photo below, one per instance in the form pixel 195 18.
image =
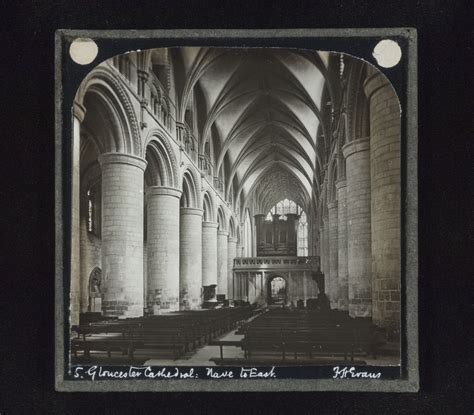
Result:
pixel 174 333
pixel 310 333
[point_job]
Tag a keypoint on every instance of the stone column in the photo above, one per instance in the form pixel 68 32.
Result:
pixel 343 293
pixel 122 234
pixel 84 260
pixel 357 154
pixel 385 185
pixel 333 255
pixel 190 248
pixel 321 252
pixel 163 248
pixel 327 274
pixel 75 290
pixel 231 254
pixel 209 253
pixel 222 261
pixel 259 236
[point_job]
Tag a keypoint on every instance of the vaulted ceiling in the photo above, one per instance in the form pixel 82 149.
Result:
pixel 263 108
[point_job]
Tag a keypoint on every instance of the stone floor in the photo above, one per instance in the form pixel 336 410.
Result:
pixel 201 356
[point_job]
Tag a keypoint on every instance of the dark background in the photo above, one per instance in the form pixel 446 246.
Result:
pixel 27 194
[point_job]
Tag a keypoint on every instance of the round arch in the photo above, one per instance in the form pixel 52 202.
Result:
pixel 162 166
pixel 232 228
pixel 208 208
pixel 332 178
pixel 118 108
pixel 94 288
pixel 190 196
pixel 277 289
pixel 221 219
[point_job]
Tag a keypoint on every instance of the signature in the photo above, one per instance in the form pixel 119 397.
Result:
pixel 351 373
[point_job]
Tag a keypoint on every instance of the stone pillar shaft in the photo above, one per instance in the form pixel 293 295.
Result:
pixel 75 291
pixel 358 227
pixel 327 276
pixel 209 253
pixel 333 255
pixel 343 292
pixel 190 258
pixel 122 234
pixel 385 185
pixel 163 248
pixel 231 254
pixel 222 261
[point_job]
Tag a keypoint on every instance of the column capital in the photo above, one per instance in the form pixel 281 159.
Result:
pixel 79 111
pixel 222 233
pixel 232 240
pixel 191 211
pixel 356 146
pixel 122 158
pixel 206 224
pixel 375 82
pixel 340 184
pixel 163 191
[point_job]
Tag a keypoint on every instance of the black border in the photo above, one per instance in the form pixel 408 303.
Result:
pixel 445 160
pixel 361 47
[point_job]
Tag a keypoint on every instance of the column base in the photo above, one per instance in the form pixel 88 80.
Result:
pixel 343 305
pixel 121 309
pixel 360 309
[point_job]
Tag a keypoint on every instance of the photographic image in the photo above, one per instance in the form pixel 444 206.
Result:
pixel 233 212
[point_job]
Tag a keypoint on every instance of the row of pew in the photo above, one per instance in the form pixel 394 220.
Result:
pixel 169 335
pixel 309 333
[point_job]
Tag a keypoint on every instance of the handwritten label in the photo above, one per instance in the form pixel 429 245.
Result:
pixel 352 373
pixel 146 372
pixel 96 372
pixel 133 372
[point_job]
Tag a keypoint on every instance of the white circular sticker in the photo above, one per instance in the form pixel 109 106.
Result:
pixel 83 51
pixel 387 53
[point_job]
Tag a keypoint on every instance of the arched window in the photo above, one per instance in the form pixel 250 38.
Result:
pixel 94 209
pixel 303 235
pixel 284 207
